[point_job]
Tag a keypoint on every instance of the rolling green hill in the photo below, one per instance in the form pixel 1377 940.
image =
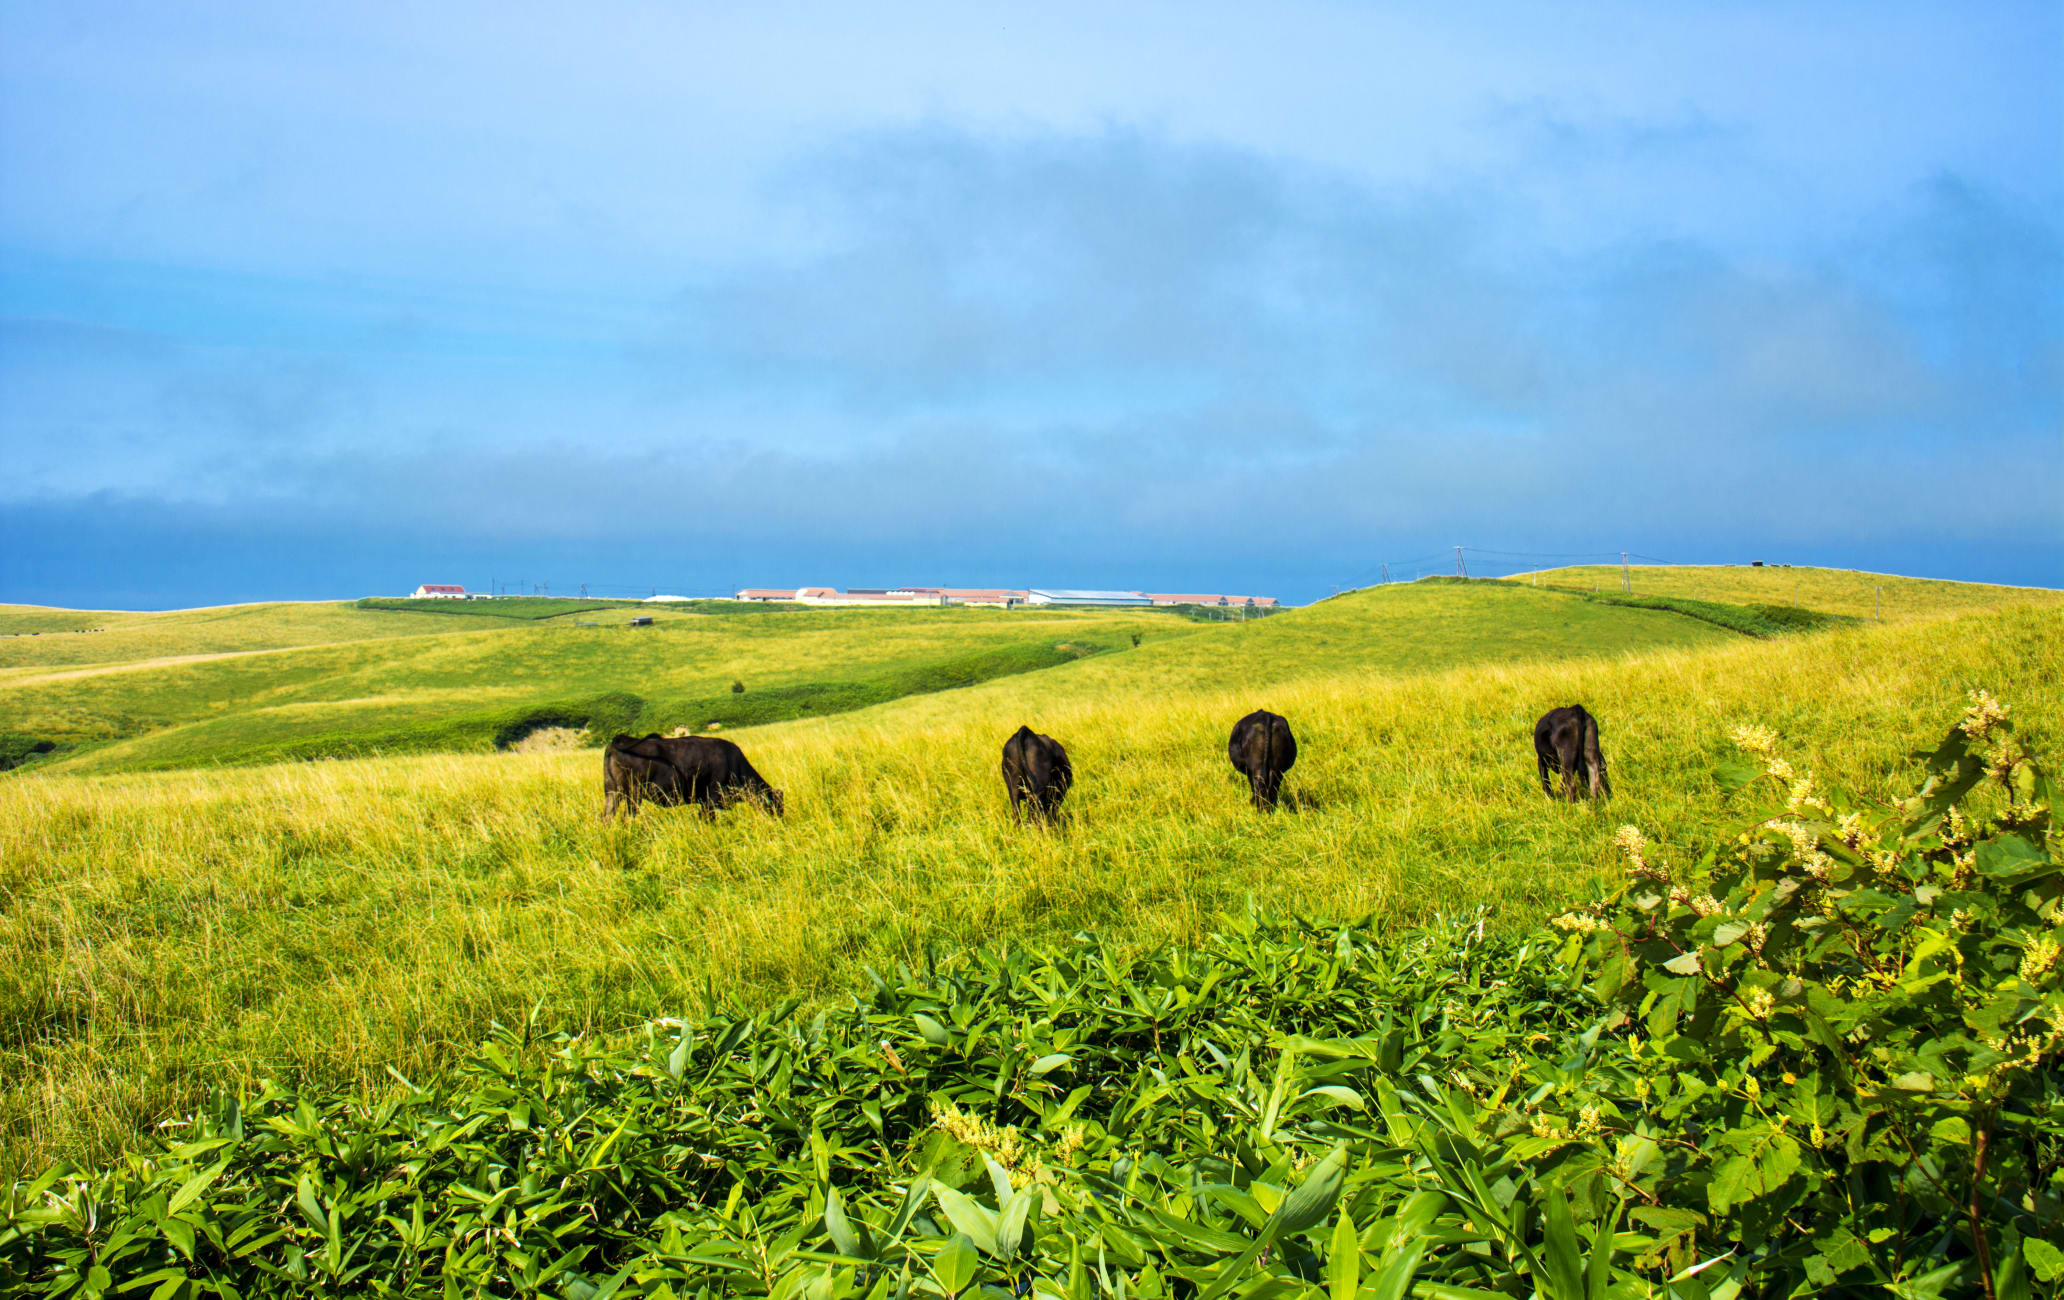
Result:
pixel 1828 591
pixel 269 683
pixel 289 682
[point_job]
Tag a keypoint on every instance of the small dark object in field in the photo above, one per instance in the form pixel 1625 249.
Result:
pixel 1566 741
pixel 738 688
pixel 642 622
pixel 672 770
pixel 1262 749
pixel 1035 771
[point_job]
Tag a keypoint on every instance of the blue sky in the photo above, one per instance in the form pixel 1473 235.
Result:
pixel 302 301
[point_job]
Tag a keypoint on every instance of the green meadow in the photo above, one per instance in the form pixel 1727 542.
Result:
pixel 237 918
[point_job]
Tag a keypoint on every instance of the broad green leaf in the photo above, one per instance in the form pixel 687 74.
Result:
pixel 954 1265
pixel 934 1032
pixel 2044 1259
pixel 2009 858
pixel 1394 1279
pixel 842 1236
pixel 1012 1221
pixel 971 1220
pixel 1562 1253
pixel 1344 1260
pixel 1732 773
pixel 1336 1093
pixel 1313 1199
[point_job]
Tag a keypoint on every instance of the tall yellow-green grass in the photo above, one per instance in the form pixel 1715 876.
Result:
pixel 164 933
pixel 1848 592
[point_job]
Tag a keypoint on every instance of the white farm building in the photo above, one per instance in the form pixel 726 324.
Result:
pixel 1038 596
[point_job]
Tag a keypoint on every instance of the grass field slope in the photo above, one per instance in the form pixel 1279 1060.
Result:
pixel 330 681
pixel 162 932
pixel 1842 592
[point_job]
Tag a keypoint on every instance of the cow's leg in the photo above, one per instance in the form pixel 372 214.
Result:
pixel 1547 782
pixel 611 801
pixel 1566 758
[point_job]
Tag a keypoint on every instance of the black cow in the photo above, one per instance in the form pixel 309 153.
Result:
pixel 672 770
pixel 1566 741
pixel 1262 748
pixel 1035 771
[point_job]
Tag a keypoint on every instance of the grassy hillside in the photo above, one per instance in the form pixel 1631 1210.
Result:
pixel 288 682
pixel 522 608
pixel 340 682
pixel 35 640
pixel 1829 591
pixel 164 931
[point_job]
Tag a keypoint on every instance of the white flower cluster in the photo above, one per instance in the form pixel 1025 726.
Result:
pixel 1760 1003
pixel 1632 843
pixel 2040 955
pixel 1984 715
pixel 1804 799
pixel 1579 922
pixel 1806 848
pixel 1762 743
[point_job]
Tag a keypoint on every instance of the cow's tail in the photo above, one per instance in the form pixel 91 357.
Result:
pixel 1594 758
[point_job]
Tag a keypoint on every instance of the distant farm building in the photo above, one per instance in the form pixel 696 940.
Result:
pixel 438 591
pixel 997 597
pixel 665 600
pixel 1058 596
pixel 878 596
pixel 1225 602
pixel 864 596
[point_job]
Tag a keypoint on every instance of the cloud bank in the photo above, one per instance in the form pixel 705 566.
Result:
pixel 1102 351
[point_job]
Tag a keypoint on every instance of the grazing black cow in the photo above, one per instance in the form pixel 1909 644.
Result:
pixel 1035 771
pixel 1262 748
pixel 671 770
pixel 1566 741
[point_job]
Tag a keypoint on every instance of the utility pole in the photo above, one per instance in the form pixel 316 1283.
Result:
pixel 1460 571
pixel 1626 581
pixel 1386 575
pixel 584 591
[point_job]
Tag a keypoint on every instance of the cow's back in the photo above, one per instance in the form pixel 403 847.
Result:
pixel 1261 742
pixel 1036 765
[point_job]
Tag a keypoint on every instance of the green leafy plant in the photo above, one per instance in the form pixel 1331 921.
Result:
pixel 1850 1017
